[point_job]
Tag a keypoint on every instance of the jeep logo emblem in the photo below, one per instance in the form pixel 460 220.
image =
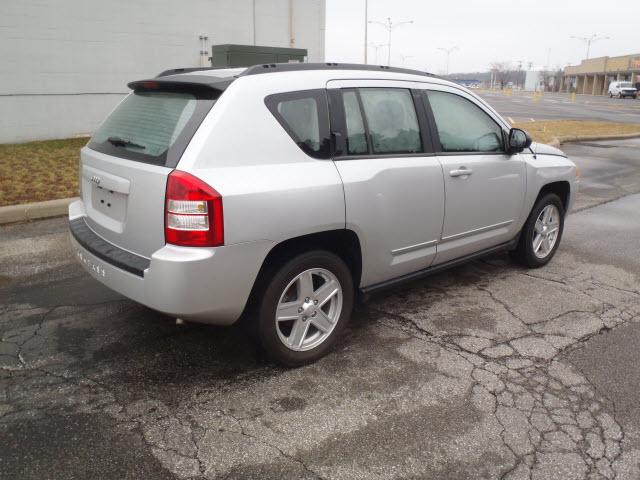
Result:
pixel 95 179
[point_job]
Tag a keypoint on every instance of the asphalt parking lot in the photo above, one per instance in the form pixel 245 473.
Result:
pixel 485 371
pixel 523 106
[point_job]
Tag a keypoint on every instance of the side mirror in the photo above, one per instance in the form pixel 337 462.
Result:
pixel 518 141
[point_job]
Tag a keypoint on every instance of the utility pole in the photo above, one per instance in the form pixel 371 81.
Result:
pixel 448 52
pixel 389 25
pixel 366 30
pixel 589 40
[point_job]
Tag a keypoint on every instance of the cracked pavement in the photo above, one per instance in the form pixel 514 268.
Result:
pixel 485 371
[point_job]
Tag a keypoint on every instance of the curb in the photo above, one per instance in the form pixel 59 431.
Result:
pixel 557 141
pixel 34 211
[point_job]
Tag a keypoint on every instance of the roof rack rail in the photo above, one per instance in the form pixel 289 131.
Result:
pixel 294 67
pixel 176 71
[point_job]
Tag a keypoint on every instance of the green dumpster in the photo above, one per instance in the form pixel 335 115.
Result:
pixel 247 55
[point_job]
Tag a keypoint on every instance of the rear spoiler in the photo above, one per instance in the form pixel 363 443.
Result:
pixel 200 83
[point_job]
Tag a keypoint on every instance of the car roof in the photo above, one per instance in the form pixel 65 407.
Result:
pixel 220 78
pixel 217 80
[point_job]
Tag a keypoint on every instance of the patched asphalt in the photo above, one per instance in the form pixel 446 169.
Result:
pixel 484 371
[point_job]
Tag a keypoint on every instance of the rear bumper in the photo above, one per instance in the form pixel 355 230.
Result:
pixel 209 285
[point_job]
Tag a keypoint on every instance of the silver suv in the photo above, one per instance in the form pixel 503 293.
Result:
pixel 280 193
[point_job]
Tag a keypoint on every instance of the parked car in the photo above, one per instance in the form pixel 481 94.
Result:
pixel 622 90
pixel 279 194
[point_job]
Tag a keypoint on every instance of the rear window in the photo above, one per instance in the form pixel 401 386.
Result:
pixel 151 126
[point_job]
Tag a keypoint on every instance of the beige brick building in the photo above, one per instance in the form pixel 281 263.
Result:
pixel 594 75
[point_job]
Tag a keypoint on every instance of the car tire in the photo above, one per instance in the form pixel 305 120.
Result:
pixel 538 240
pixel 610 95
pixel 297 323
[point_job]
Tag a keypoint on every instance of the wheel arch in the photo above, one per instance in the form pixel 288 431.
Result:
pixel 343 242
pixel 561 188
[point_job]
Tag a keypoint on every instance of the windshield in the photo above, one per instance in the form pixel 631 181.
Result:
pixel 625 84
pixel 147 125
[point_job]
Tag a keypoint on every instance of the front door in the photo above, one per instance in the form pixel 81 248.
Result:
pixel 484 186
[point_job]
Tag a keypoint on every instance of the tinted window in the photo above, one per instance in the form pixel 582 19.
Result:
pixel 462 125
pixel 147 124
pixel 392 121
pixel 356 137
pixel 304 116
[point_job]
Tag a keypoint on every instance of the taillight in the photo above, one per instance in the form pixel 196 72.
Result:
pixel 193 212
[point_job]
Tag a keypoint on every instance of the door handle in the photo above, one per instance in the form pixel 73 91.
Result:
pixel 461 172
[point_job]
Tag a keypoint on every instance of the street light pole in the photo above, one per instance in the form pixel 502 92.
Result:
pixel 389 25
pixel 376 47
pixel 448 52
pixel 589 40
pixel 404 58
pixel 366 29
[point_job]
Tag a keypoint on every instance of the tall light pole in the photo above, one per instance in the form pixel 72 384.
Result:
pixel 376 47
pixel 404 58
pixel 366 30
pixel 389 25
pixel 448 52
pixel 589 40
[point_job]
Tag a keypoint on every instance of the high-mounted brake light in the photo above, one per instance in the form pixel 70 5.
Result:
pixel 150 85
pixel 193 212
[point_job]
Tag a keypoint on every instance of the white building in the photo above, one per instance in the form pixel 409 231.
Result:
pixel 64 64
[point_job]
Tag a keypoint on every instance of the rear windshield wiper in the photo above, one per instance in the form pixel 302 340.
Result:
pixel 122 142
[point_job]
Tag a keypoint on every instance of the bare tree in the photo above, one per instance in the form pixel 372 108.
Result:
pixel 500 72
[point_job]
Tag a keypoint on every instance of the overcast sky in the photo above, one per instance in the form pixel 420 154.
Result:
pixel 484 31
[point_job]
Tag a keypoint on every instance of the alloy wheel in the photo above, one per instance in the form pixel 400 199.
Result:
pixel 545 233
pixel 309 309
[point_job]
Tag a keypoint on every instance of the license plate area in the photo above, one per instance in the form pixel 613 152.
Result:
pixel 109 203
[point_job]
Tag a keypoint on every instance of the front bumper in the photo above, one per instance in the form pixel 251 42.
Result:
pixel 209 285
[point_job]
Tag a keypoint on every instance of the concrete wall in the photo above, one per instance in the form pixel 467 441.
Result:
pixel 64 65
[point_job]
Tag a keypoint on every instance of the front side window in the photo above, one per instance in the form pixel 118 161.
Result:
pixel 392 121
pixel 304 116
pixel 463 126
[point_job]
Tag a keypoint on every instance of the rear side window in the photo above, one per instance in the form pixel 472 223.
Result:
pixel 392 121
pixel 305 117
pixel 463 126
pixel 151 126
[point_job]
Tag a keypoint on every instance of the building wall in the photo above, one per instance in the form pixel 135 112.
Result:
pixel 594 75
pixel 65 64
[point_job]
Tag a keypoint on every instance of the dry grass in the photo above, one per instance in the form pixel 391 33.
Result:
pixel 545 131
pixel 36 171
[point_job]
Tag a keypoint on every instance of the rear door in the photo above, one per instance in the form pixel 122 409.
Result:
pixel 393 185
pixel 484 186
pixel 125 166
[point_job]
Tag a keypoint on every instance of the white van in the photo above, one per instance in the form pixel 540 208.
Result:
pixel 622 89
